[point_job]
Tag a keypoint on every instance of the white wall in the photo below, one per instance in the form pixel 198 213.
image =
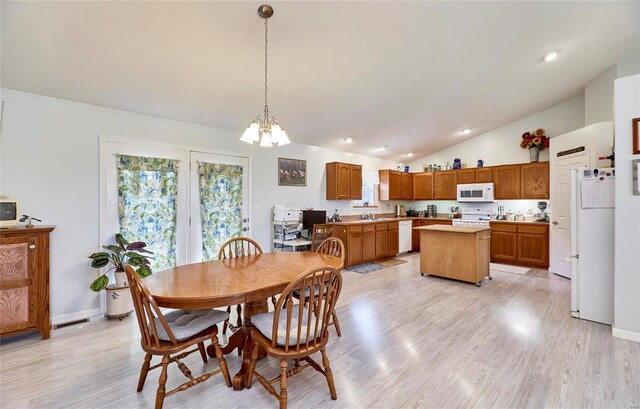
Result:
pixel 598 97
pixel 502 146
pixel 627 218
pixel 49 161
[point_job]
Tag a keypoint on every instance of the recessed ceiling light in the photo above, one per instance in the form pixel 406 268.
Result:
pixel 383 147
pixel 409 154
pixel 466 131
pixel 348 139
pixel 550 56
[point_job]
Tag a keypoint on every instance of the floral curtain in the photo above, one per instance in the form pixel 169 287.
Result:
pixel 147 199
pixel 220 205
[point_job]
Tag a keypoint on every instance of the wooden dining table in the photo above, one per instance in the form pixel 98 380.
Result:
pixel 248 280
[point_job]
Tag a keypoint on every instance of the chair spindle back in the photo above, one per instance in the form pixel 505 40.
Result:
pixel 238 247
pixel 147 311
pixel 318 311
pixel 319 234
pixel 333 246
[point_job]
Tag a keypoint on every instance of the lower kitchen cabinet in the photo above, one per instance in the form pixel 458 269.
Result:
pixel 415 236
pixel 520 243
pixel 368 241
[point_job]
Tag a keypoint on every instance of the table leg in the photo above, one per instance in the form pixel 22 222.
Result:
pixel 242 339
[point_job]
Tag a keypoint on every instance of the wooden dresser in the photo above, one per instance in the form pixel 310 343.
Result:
pixel 24 280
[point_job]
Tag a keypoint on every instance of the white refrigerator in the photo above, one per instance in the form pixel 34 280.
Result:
pixel 592 246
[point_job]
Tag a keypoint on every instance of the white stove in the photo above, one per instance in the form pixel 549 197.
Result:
pixel 474 216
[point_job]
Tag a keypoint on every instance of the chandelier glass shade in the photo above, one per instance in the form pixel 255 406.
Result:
pixel 265 128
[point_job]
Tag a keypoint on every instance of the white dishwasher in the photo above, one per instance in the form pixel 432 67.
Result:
pixel 404 235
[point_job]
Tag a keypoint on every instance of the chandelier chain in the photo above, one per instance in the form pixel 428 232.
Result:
pixel 266 43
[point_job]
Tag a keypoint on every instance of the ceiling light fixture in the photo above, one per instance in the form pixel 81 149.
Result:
pixel 409 154
pixel 466 131
pixel 550 56
pixel 348 139
pixel 265 128
pixel 383 147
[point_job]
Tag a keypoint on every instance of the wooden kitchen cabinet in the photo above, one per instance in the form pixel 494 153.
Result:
pixel 382 240
pixel 407 186
pixel 506 181
pixel 368 242
pixel 395 185
pixel 415 235
pixel 484 175
pixel 344 181
pixel 534 180
pixel 423 186
pixel 504 244
pixel 520 243
pixel 355 244
pixel 394 239
pixel 466 176
pixel 445 185
pixel 24 280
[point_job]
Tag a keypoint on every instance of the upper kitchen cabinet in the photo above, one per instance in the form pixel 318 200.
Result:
pixel 506 179
pixel 444 185
pixel 466 176
pixel 407 186
pixel 395 185
pixel 484 175
pixel 534 180
pixel 423 186
pixel 344 181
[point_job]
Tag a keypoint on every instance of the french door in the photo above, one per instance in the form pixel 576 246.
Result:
pixel 226 205
pixel 219 191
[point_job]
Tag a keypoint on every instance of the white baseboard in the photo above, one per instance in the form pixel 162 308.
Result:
pixel 74 316
pixel 624 334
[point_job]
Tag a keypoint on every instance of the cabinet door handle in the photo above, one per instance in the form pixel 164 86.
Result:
pixel 555 223
pixel 485 238
pixel 32 246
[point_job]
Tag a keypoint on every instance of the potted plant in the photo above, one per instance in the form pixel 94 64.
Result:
pixel 119 254
pixel 535 141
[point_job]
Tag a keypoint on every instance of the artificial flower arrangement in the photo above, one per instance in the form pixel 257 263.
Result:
pixel 536 139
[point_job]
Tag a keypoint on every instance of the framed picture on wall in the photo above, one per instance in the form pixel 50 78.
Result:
pixel 636 136
pixel 292 172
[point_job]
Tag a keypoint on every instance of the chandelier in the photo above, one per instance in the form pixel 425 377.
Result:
pixel 265 128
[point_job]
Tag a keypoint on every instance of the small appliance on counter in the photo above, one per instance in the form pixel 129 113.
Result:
pixel 401 211
pixel 412 213
pixel 541 216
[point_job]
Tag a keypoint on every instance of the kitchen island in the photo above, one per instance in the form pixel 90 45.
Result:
pixel 457 252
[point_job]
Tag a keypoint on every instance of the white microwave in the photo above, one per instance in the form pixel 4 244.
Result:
pixel 475 192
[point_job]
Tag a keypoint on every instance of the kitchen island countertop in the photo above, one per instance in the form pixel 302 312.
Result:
pixel 454 229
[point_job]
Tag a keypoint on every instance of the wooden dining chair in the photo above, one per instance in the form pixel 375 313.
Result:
pixel 296 331
pixel 169 335
pixel 332 246
pixel 232 248
pixel 319 233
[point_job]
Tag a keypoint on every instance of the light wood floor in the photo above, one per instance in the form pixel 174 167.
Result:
pixel 408 341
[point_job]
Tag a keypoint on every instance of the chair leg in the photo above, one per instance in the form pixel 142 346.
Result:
pixel 283 383
pixel 239 311
pixel 274 301
pixel 336 323
pixel 328 374
pixel 221 361
pixel 203 352
pixel 226 322
pixel 144 371
pixel 161 382
pixel 252 366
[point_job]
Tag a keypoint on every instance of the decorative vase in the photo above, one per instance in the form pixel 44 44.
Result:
pixel 121 278
pixel 119 302
pixel 534 154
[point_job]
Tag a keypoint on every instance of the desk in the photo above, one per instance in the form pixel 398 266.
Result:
pixel 244 280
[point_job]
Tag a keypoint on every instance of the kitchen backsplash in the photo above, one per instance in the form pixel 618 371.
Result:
pixel 514 206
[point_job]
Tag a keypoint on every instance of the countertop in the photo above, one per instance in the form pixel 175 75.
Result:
pixel 386 220
pixel 453 229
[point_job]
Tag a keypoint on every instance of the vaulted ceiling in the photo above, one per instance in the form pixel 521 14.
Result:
pixel 409 75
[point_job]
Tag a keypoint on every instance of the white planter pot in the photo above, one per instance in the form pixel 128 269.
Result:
pixel 121 278
pixel 119 303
